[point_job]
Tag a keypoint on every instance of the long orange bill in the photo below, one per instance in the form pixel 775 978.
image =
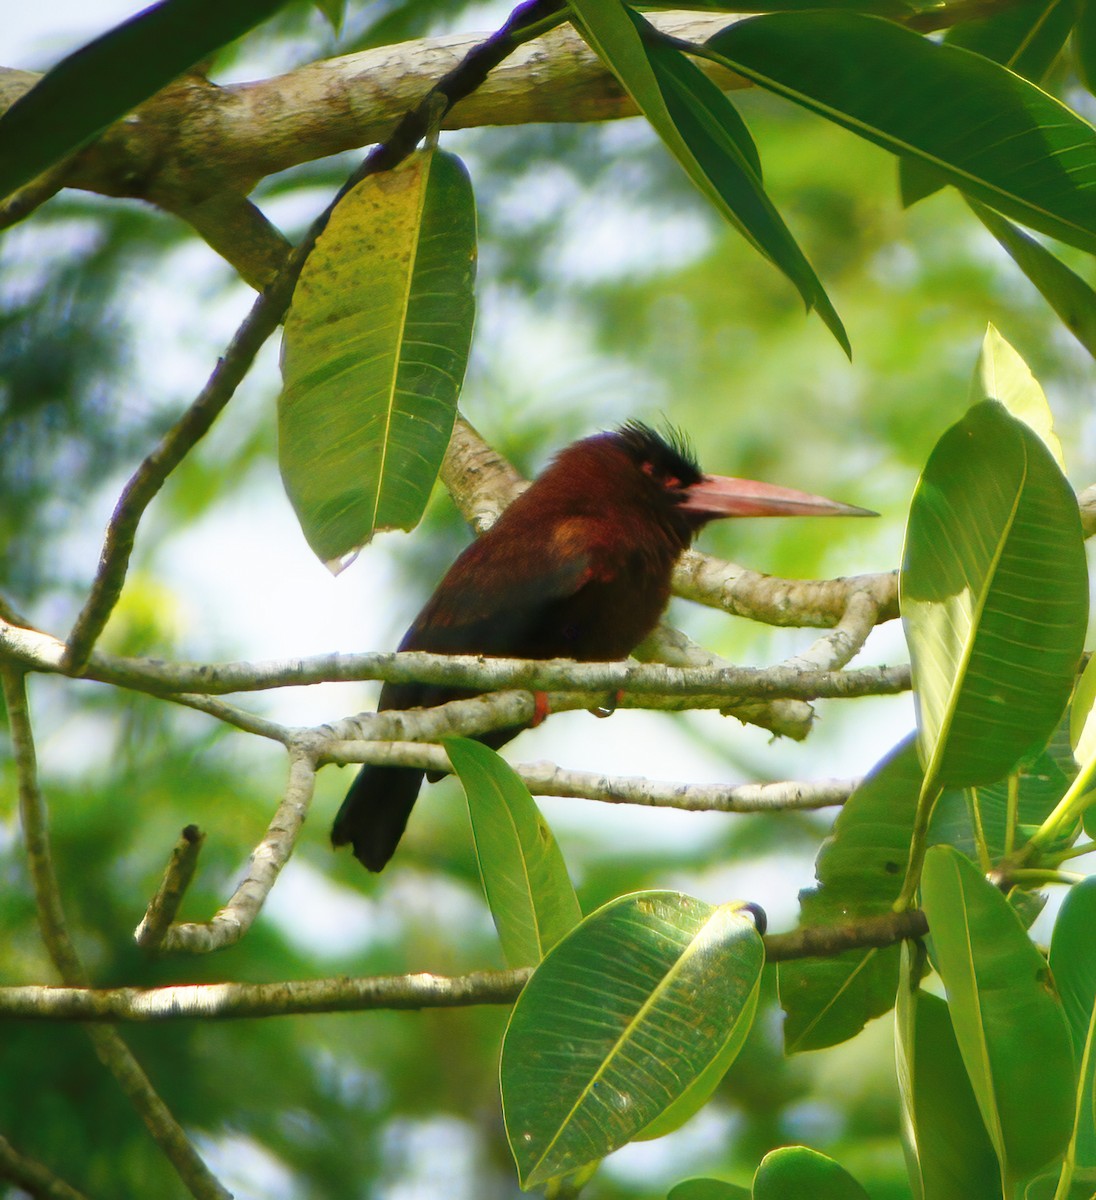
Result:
pixel 722 496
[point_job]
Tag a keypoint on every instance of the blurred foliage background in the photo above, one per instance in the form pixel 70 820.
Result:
pixel 607 290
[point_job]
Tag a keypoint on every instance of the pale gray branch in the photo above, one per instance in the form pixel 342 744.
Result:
pixel 230 923
pixel 221 1000
pixel 548 779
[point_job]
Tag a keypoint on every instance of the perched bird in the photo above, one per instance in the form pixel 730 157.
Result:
pixel 578 567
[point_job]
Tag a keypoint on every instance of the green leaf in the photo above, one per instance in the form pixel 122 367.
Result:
pixel 1073 961
pixel 618 1021
pixel 798 1171
pixel 1001 374
pixel 524 876
pixel 1065 291
pixel 704 132
pixel 1026 38
pixel 334 11
pixel 1008 1020
pixel 947 1149
pixel 859 871
pixel 374 352
pixel 1082 715
pixel 1084 44
pixel 707 1189
pixel 991 133
pixel 102 81
pixel 994 596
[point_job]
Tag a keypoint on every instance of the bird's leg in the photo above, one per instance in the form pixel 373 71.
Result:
pixel 541 709
pixel 607 710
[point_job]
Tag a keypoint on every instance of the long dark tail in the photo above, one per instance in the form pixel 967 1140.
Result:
pixel 374 814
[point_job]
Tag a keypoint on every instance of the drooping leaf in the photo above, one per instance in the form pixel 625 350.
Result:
pixel 102 81
pixel 374 352
pixel 799 1171
pixel 1007 1017
pixel 1073 961
pixel 617 1022
pixel 948 1151
pixel 859 871
pixel 1025 37
pixel 1065 291
pixel 994 594
pixel 995 136
pixel 1001 374
pixel 702 129
pixel 529 892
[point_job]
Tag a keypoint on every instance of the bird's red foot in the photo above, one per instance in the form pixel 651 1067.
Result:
pixel 607 710
pixel 540 709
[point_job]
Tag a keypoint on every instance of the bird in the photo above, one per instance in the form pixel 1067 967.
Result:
pixel 578 566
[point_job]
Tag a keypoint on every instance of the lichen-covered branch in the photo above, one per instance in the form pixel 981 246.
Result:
pixel 224 1000
pixel 230 923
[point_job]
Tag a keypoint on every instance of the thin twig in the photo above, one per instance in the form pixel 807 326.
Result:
pixel 113 1053
pixel 400 992
pixel 230 923
pixel 163 907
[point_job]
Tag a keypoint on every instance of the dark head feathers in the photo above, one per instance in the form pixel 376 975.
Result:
pixel 669 453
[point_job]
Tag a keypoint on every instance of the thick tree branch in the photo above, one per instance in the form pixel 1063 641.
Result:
pixel 195 139
pixel 113 1053
pixel 223 1000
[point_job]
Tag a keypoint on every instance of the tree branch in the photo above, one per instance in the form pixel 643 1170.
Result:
pixel 32 1177
pixel 112 1052
pixel 399 992
pixel 230 923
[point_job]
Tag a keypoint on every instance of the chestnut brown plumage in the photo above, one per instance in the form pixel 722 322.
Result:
pixel 577 567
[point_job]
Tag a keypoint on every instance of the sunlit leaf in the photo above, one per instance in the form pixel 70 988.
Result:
pixel 524 876
pixel 1001 374
pixel 947 1149
pixel 1008 1020
pixel 617 1022
pixel 991 133
pixel 704 132
pixel 110 76
pixel 375 347
pixel 859 871
pixel 799 1171
pixel 994 594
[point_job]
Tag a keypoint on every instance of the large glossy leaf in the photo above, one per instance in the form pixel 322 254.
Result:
pixel 1065 291
pixel 994 595
pixel 1073 961
pixel 798 1171
pixel 621 1017
pixel 375 348
pixel 1008 1020
pixel 859 871
pixel 948 1151
pixel 991 133
pixel 524 876
pixel 704 132
pixel 104 80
